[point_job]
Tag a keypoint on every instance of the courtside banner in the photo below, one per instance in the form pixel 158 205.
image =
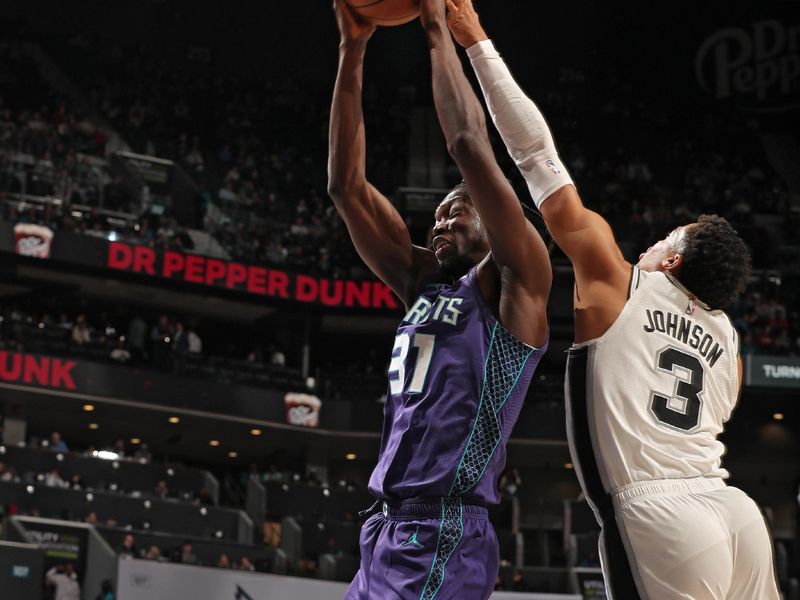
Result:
pixel 147 580
pixel 772 371
pixel 62 544
pixel 199 270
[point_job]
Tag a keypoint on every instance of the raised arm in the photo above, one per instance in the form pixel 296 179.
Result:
pixel 517 249
pixel 583 235
pixel 379 233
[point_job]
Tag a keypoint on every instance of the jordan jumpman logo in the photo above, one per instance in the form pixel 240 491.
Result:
pixel 412 540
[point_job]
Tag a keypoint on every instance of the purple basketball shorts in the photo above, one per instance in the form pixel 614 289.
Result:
pixel 421 549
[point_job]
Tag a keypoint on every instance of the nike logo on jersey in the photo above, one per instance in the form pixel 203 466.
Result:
pixel 686 331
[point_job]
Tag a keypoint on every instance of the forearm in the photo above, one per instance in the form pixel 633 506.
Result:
pixel 347 141
pixel 458 108
pixel 520 123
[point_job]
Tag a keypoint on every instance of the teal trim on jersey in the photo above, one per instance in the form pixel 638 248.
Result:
pixel 450 533
pixel 435 554
pixel 516 380
pixel 478 413
pixel 522 368
pixel 506 360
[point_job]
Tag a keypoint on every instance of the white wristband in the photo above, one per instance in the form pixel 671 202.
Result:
pixel 520 123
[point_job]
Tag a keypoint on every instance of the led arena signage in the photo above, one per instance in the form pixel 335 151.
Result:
pixel 274 283
pixel 44 371
pixel 772 371
pixel 70 248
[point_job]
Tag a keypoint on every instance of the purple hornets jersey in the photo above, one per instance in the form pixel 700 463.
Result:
pixel 457 380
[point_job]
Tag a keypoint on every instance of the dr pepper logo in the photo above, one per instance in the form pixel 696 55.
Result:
pixel 757 66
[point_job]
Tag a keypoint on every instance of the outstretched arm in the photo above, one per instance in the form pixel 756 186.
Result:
pixel 517 249
pixel 378 231
pixel 582 234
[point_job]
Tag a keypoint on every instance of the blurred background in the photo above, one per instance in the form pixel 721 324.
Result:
pixel 192 355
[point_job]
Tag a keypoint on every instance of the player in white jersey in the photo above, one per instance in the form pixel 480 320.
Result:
pixel 653 375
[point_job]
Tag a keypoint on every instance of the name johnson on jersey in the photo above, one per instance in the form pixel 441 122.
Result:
pixel 686 331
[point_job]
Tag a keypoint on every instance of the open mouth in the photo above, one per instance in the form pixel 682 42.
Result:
pixel 440 243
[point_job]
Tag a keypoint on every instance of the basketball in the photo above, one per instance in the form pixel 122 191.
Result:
pixel 385 12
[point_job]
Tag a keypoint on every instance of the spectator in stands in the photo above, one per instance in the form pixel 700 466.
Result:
pixel 81 334
pixel 119 448
pixel 195 343
pixel 128 547
pixel 161 489
pixel 273 474
pixel 137 334
pixel 6 472
pixel 64 322
pixel 153 553
pixel 56 443
pixel 306 567
pixel 91 518
pixel 120 353
pixel 223 562
pixel 65 581
pixel 510 482
pixel 186 556
pixel 116 196
pixel 276 357
pixel 333 547
pixel 204 496
pixel 180 348
pixel 76 482
pixel 246 565
pixel 518 583
pixel 142 454
pixel 53 479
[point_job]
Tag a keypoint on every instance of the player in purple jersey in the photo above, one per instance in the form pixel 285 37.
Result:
pixel 465 352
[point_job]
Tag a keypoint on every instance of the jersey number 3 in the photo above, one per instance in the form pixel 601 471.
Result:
pixel 397 368
pixel 681 410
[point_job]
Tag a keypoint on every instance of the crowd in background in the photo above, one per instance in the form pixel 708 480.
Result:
pixel 257 149
pixel 165 343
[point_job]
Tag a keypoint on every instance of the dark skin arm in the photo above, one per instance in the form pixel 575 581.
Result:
pixel 516 282
pixel 602 274
pixel 378 232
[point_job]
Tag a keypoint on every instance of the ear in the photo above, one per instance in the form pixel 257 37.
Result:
pixel 672 264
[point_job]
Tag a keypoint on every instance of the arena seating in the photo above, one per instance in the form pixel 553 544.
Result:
pixel 124 476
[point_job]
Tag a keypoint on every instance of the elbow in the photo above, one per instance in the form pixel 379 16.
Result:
pixel 335 189
pixel 338 184
pixel 465 145
pixel 341 189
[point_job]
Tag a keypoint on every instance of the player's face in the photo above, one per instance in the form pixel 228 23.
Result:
pixel 662 256
pixel 457 231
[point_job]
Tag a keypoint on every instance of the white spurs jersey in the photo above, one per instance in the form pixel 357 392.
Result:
pixel 648 398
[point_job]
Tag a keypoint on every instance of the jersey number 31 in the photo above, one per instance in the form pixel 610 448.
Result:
pixel 397 368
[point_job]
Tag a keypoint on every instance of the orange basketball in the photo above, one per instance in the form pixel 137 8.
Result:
pixel 385 12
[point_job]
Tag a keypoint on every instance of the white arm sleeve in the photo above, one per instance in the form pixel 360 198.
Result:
pixel 520 124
